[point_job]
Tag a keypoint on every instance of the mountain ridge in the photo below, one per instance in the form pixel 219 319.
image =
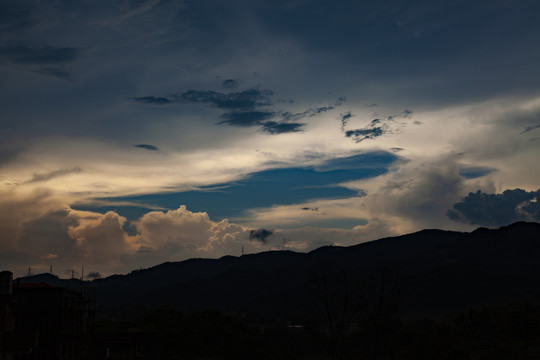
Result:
pixel 438 271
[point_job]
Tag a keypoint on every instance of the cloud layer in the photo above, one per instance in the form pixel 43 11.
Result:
pixel 160 130
pixel 497 209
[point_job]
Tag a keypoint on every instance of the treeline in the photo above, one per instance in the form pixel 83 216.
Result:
pixel 511 331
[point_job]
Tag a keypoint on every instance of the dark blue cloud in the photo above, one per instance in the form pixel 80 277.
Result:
pixel 229 83
pixel 407 113
pixel 274 127
pixel 246 118
pixel 376 127
pixel 530 128
pixel 363 134
pixel 497 209
pixel 152 100
pixel 473 172
pixel 94 275
pixel 247 108
pixel 147 147
pixel 283 186
pixel 246 99
pixel 260 235
pixel 260 119
pixel 346 116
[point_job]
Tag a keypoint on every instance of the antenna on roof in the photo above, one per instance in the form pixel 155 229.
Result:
pixel 50 270
pixel 242 249
pixel 29 271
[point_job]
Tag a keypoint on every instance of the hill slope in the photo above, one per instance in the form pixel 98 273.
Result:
pixel 426 273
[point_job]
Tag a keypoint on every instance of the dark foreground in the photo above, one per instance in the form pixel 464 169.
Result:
pixel 431 294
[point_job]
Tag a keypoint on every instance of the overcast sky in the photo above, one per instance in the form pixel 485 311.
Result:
pixel 138 132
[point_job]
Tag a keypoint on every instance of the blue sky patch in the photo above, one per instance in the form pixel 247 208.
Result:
pixel 282 186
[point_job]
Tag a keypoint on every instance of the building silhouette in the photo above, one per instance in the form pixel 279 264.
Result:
pixel 39 321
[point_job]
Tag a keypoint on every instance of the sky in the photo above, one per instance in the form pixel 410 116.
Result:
pixel 138 132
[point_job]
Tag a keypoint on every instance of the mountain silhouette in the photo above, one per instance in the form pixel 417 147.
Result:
pixel 433 272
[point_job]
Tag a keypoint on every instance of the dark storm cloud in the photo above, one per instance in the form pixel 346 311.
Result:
pixel 246 99
pixel 530 128
pixel 246 118
pixel 274 127
pixel 54 174
pixel 147 147
pixel 229 83
pixel 260 235
pixel 152 100
pixel 363 134
pixel 497 209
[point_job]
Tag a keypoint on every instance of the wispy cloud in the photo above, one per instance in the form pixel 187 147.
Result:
pixel 50 61
pixel 53 174
pixel 44 55
pixel 376 127
pixel 530 128
pixel 247 108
